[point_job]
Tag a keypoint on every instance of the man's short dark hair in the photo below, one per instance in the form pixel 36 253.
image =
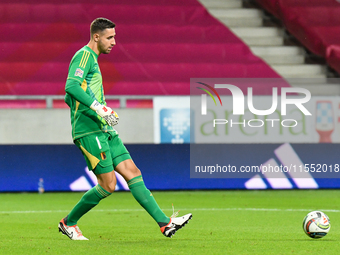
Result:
pixel 100 24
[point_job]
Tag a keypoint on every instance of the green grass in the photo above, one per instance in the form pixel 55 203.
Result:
pixel 224 222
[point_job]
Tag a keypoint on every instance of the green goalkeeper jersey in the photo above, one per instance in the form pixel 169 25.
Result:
pixel 83 86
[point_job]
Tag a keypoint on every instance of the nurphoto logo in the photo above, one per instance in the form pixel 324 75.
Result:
pixel 238 99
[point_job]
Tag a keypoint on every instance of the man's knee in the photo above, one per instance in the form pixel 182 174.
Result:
pixel 128 169
pixel 132 169
pixel 112 187
pixel 135 171
pixel 109 187
pixel 107 181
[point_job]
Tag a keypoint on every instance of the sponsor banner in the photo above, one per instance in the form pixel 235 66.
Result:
pixel 62 167
pixel 175 122
pixel 220 125
pixel 273 162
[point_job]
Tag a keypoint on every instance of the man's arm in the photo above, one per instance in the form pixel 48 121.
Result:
pixel 74 89
pixel 80 66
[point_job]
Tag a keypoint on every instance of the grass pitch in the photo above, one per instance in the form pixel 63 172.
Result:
pixel 224 222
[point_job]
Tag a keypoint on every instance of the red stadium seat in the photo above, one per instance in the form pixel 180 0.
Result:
pixel 316 24
pixel 160 46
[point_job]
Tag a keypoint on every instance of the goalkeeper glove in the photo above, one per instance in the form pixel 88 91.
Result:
pixel 110 116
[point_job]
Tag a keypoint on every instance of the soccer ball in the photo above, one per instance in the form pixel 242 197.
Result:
pixel 316 224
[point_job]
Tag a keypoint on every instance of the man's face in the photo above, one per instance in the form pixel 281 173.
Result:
pixel 106 40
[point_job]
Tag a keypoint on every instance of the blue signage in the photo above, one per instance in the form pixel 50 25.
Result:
pixel 175 125
pixel 164 167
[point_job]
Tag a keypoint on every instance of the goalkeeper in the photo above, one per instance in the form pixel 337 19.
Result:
pixel 93 133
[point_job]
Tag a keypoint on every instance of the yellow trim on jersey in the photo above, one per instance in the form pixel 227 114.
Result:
pixel 74 117
pixel 84 87
pixel 84 59
pixel 93 160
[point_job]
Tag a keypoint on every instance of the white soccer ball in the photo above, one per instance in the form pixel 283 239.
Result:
pixel 316 224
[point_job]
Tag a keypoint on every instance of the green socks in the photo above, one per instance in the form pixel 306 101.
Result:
pixel 89 200
pixel 147 201
pixel 137 187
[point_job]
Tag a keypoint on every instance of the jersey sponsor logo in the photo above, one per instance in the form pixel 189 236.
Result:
pixel 79 73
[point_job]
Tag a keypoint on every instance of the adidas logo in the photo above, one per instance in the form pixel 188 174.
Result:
pixel 279 180
pixel 82 183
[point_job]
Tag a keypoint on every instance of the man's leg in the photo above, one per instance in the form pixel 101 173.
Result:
pixel 105 187
pixel 132 175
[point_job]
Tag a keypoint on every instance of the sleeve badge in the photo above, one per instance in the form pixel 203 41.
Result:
pixel 79 73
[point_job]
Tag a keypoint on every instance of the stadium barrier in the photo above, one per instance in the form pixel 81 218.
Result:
pixel 57 101
pixel 164 167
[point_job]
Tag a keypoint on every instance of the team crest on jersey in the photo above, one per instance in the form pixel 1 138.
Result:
pixel 79 73
pixel 103 155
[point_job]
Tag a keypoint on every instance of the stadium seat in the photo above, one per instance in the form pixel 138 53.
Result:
pixel 160 46
pixel 316 24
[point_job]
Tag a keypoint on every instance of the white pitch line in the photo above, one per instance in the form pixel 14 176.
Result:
pixel 184 209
